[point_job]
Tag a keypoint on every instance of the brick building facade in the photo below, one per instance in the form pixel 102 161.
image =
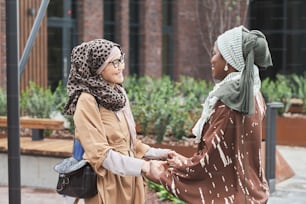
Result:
pixel 172 36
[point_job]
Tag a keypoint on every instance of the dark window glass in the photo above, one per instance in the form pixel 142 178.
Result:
pixel 296 15
pixel 167 52
pixel 134 37
pixel 61 38
pixel 109 20
pixel 296 53
pixel 55 8
pixel 54 56
pixel 284 23
pixel 266 14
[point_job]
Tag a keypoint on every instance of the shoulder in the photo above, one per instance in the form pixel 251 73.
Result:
pixel 221 107
pixel 86 98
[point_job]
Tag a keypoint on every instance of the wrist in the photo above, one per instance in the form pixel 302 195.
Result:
pixel 145 167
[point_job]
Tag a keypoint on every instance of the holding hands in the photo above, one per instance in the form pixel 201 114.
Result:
pixel 154 168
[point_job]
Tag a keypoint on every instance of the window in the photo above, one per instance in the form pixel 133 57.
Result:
pixel 62 29
pixel 109 20
pixel 134 37
pixel 284 25
pixel 167 46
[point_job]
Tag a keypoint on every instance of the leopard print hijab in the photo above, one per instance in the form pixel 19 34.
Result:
pixel 86 59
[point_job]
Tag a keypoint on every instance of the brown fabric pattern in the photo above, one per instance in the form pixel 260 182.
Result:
pixel 86 59
pixel 227 167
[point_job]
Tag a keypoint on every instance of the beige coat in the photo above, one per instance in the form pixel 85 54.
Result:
pixel 99 130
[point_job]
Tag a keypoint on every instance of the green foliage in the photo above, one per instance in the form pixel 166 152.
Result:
pixel 40 102
pixel 164 107
pixel 36 101
pixel 163 194
pixel 284 88
pixel 2 102
pixel 59 97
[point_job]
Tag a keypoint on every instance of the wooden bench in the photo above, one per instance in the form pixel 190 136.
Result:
pixel 38 125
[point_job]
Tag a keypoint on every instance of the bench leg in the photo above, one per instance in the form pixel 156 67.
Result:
pixel 37 134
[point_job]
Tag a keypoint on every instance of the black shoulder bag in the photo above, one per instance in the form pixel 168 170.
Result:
pixel 76 176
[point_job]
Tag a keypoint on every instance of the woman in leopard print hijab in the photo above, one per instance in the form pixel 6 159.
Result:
pixel 87 62
pixel 104 124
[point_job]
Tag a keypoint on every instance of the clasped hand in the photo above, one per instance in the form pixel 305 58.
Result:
pixel 155 168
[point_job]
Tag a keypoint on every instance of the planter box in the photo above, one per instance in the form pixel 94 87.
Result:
pixel 290 131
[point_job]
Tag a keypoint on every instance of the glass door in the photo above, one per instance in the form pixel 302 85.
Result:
pixel 61 39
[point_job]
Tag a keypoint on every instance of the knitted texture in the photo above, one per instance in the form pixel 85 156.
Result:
pixel 230 46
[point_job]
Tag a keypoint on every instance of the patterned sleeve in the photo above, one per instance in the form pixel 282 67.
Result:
pixel 213 136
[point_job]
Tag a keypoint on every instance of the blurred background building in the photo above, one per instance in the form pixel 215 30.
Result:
pixel 160 37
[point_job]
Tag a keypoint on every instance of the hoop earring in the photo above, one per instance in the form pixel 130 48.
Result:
pixel 226 68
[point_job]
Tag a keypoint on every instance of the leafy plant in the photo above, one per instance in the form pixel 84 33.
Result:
pixel 277 91
pixel 164 107
pixel 36 101
pixel 163 194
pixel 60 97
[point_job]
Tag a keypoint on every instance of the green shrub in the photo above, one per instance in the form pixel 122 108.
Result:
pixel 60 98
pixel 3 102
pixel 164 107
pixel 163 194
pixel 39 102
pixel 284 88
pixel 36 101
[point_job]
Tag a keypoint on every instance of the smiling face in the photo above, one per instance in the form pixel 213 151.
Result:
pixel 113 72
pixel 217 65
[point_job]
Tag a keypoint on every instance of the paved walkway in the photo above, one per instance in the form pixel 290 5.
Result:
pixel 292 191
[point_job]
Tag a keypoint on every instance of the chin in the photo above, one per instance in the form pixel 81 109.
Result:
pixel 120 81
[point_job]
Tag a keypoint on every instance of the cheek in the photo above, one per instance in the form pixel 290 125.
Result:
pixel 106 75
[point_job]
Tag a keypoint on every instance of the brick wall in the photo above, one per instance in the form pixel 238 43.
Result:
pixel 190 58
pixel 189 55
pixel 122 30
pixel 151 38
pixel 90 20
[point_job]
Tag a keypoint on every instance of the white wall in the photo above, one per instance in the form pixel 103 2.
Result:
pixel 36 171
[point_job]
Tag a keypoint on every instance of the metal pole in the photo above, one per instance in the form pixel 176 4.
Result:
pixel 13 124
pixel 40 15
pixel 271 142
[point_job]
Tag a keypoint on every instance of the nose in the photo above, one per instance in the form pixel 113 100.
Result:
pixel 211 61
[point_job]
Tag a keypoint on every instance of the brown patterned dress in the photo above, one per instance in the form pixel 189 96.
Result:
pixel 227 167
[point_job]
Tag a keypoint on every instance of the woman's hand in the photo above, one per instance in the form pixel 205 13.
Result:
pixel 156 168
pixel 176 160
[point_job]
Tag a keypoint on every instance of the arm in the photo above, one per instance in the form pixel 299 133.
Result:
pixel 217 125
pixel 121 164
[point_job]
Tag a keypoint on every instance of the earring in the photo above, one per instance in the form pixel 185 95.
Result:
pixel 226 68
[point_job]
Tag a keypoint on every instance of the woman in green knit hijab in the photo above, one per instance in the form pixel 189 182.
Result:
pixel 227 167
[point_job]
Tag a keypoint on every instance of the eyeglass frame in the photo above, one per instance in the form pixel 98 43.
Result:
pixel 116 62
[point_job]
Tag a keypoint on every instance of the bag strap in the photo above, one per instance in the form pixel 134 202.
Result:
pixel 78 150
pixel 76 201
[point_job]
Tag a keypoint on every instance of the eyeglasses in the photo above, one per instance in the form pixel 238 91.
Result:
pixel 117 62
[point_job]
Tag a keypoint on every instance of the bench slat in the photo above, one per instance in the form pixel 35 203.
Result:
pixel 36 123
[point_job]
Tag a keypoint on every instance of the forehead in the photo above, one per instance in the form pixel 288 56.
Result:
pixel 115 53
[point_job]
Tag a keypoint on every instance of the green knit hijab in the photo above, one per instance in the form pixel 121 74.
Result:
pixel 239 95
